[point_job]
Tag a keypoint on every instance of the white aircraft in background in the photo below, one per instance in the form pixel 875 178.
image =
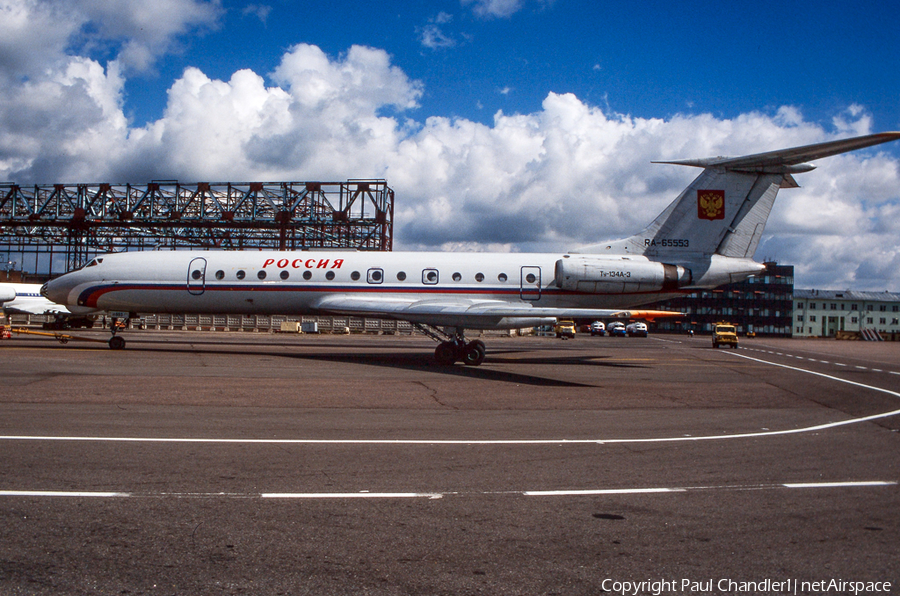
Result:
pixel 704 239
pixel 26 299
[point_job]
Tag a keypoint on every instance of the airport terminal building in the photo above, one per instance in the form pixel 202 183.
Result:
pixel 827 313
pixel 761 305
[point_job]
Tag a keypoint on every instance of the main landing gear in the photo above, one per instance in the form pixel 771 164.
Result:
pixel 455 348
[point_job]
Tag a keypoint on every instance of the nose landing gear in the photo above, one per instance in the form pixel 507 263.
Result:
pixel 116 342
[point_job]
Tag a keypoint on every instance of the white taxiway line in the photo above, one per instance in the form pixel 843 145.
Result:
pixel 60 493
pixel 441 495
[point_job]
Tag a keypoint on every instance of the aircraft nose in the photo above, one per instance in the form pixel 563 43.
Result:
pixel 57 290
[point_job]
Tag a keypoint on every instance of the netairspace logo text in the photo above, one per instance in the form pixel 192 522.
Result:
pixel 766 586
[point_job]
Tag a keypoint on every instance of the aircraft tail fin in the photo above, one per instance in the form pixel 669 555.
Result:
pixel 725 209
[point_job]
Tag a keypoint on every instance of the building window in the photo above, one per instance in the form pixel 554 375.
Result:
pixel 833 306
pixel 812 318
pixel 854 319
pixel 812 306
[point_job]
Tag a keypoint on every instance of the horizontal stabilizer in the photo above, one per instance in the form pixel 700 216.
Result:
pixel 781 161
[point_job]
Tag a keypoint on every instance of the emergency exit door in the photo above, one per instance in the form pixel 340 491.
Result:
pixel 196 276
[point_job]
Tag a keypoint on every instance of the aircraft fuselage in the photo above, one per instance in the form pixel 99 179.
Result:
pixel 293 283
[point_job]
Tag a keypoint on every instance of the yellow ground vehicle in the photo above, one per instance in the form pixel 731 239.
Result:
pixel 724 334
pixel 565 329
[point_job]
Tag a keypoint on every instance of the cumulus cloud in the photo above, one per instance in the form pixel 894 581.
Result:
pixel 432 35
pixel 144 29
pixel 494 8
pixel 39 34
pixel 501 9
pixel 568 174
pixel 260 11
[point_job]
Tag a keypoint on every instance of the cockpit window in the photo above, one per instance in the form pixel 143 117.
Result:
pixel 94 262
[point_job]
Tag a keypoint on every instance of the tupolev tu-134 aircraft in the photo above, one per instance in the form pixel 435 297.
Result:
pixel 705 238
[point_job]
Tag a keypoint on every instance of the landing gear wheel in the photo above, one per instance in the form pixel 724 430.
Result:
pixel 116 343
pixel 474 353
pixel 445 353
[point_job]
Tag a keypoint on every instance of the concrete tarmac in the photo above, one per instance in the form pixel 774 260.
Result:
pixel 244 463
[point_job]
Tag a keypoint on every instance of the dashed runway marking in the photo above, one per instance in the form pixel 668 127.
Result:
pixel 856 366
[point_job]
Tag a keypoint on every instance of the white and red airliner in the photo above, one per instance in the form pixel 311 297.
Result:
pixel 705 238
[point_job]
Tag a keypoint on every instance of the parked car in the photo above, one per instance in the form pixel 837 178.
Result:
pixel 598 328
pixel 565 329
pixel 616 329
pixel 638 328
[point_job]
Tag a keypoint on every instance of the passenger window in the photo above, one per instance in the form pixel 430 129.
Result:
pixel 401 276
pixel 220 275
pixel 285 274
pixel 241 274
pixel 502 277
pixel 261 274
pixel 530 278
pixel 479 277
pixel 329 276
pixel 375 275
pixel 429 276
pixel 196 274
pixel 355 276
pixel 457 276
pixel 307 275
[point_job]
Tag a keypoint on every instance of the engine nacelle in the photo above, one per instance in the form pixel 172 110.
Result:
pixel 617 276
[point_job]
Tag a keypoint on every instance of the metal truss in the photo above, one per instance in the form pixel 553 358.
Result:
pixel 82 220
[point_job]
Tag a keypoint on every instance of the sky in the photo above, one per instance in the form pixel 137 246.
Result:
pixel 502 125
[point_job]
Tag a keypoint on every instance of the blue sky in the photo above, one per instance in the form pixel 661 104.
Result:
pixel 654 59
pixel 507 125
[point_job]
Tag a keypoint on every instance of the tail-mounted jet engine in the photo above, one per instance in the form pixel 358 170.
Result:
pixel 598 275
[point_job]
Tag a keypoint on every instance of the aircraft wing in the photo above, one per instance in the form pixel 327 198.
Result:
pixel 468 312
